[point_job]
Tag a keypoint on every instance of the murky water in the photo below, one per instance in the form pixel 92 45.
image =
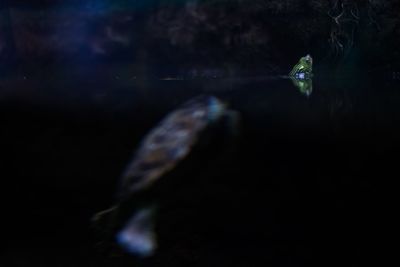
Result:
pixel 302 183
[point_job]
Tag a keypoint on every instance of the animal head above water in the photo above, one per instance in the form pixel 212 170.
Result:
pixel 304 67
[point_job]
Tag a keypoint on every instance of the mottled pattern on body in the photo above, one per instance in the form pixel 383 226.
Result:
pixel 169 142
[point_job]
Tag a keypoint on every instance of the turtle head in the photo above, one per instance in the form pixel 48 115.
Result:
pixel 306 63
pixel 308 59
pixel 303 66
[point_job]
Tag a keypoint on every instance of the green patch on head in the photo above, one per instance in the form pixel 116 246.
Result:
pixel 304 66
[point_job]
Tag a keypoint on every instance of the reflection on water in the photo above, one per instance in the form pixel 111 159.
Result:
pixel 304 85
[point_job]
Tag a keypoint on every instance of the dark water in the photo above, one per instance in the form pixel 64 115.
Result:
pixel 308 181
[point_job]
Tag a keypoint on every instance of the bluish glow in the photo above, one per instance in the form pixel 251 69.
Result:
pixel 102 6
pixel 216 108
pixel 136 243
pixel 300 75
pixel 138 237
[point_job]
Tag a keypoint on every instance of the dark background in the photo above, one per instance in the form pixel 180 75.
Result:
pixel 309 180
pixel 263 34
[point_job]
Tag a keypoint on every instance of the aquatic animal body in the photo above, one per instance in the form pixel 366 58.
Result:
pixel 303 69
pixel 301 75
pixel 160 151
pixel 169 142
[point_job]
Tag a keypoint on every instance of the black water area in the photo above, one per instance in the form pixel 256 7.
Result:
pixel 307 180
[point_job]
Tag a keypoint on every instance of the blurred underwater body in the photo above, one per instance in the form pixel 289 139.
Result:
pixel 160 151
pixel 301 165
